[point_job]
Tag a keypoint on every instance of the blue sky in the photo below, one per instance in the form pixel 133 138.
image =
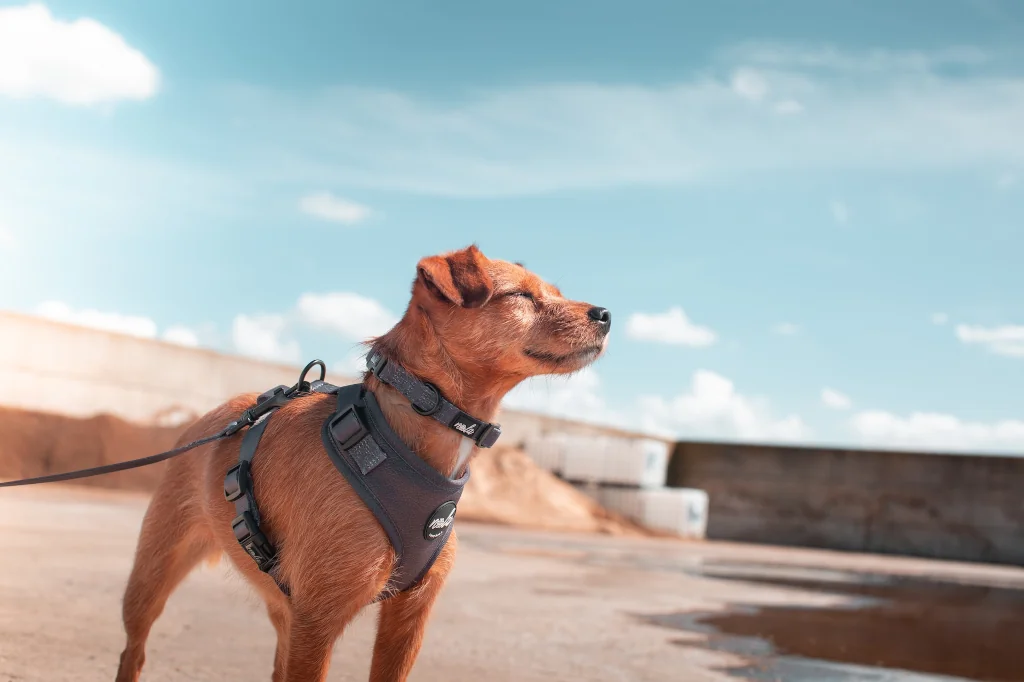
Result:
pixel 805 217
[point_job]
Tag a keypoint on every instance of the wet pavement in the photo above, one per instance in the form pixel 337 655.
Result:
pixel 526 606
pixel 888 628
pixel 881 627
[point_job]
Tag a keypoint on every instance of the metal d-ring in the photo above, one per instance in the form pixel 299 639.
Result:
pixel 437 402
pixel 305 371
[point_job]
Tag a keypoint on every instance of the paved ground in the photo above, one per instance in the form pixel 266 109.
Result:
pixel 520 606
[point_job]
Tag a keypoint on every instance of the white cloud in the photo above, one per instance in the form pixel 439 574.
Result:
pixel 577 396
pixel 263 337
pixel 789 107
pixel 840 212
pixel 940 318
pixel 80 62
pixel 354 364
pixel 1006 181
pixel 834 399
pixel 786 329
pixel 863 111
pixel 876 61
pixel 325 206
pixel 183 336
pixel 712 408
pixel 132 325
pixel 672 327
pixel 749 84
pixel 1004 340
pixel 934 431
pixel 350 315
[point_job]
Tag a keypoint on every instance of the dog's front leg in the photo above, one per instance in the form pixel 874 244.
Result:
pixel 281 618
pixel 322 606
pixel 311 637
pixel 403 622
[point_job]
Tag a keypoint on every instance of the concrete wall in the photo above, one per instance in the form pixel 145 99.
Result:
pixel 77 371
pixel 961 507
pixel 519 426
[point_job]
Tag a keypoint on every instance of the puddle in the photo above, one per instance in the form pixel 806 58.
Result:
pixel 887 624
pixel 881 628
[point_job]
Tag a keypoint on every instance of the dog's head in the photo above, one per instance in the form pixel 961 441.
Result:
pixel 499 315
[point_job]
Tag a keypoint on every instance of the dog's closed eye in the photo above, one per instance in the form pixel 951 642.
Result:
pixel 517 294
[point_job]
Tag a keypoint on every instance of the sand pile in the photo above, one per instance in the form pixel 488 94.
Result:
pixel 505 487
pixel 36 444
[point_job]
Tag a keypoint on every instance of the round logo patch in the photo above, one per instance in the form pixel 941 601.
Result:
pixel 439 521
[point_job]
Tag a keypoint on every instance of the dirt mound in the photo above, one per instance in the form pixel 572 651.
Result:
pixel 36 444
pixel 505 487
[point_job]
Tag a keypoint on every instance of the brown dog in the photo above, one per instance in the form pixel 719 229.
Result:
pixel 474 328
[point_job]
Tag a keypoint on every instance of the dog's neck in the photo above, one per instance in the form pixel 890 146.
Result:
pixel 476 391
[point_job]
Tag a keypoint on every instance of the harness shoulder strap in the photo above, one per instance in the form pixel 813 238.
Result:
pixel 238 484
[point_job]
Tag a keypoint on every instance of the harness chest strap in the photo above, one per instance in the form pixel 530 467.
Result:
pixel 413 502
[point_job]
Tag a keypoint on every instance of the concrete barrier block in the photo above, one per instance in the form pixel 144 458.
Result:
pixel 683 511
pixel 547 451
pixel 639 462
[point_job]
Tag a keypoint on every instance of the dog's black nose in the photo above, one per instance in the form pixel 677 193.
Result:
pixel 601 315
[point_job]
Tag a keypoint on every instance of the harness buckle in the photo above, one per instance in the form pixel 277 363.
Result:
pixel 274 398
pixel 237 482
pixel 253 541
pixel 488 435
pixel 376 362
pixel 347 428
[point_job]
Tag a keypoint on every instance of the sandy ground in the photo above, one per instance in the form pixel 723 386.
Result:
pixel 521 606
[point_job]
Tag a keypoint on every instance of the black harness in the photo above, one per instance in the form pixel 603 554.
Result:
pixel 412 501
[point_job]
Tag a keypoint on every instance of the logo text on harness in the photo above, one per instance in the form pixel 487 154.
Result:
pixel 439 521
pixel 468 430
pixel 438 524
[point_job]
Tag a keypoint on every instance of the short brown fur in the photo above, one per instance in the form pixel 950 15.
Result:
pixel 474 327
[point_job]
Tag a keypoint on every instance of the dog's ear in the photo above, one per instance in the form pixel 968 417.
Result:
pixel 460 278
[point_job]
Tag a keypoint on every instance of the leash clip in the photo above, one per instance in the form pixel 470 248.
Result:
pixel 272 399
pixel 243 421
